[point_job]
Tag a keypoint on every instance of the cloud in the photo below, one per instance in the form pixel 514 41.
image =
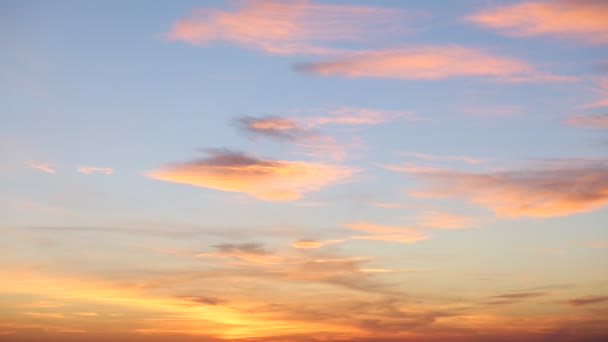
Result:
pixel 265 179
pixel 589 300
pixel 310 244
pixel 284 27
pixel 428 63
pixel 602 91
pixel 310 142
pixel 588 121
pixel 433 157
pixel 441 220
pixel 577 19
pixel 87 170
pixel 251 252
pixel 513 298
pixel 46 167
pixel 380 232
pixel 549 188
pixel 273 127
pixel 358 116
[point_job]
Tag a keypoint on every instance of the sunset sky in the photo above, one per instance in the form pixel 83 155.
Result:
pixel 296 171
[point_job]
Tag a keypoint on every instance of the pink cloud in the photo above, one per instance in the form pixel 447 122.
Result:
pixel 549 189
pixel 284 27
pixel 577 19
pixel 588 121
pixel 46 167
pixel 87 170
pixel 389 233
pixel 429 63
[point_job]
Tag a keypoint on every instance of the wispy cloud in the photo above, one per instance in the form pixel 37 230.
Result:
pixel 513 298
pixel 551 188
pixel 428 63
pixel 358 116
pixel 577 19
pixel 589 300
pixel 46 167
pixel 87 170
pixel 285 27
pixel 310 244
pixel 381 232
pixel 443 220
pixel 588 121
pixel 433 157
pixel 602 90
pixel 251 252
pixel 266 179
pixel 274 127
pixel 309 141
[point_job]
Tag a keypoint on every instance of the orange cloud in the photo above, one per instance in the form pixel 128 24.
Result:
pixel 577 19
pixel 588 121
pixel 310 244
pixel 261 178
pixel 87 170
pixel 436 219
pixel 552 188
pixel 430 63
pixel 385 232
pixel 283 27
pixel 46 167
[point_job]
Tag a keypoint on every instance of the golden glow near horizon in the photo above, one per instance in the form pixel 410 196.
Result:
pixel 297 171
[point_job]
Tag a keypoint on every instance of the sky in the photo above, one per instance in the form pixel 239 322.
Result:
pixel 336 171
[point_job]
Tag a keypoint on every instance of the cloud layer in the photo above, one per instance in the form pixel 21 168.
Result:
pixel 266 179
pixel 588 121
pixel 427 63
pixel 283 27
pixel 552 188
pixel 576 19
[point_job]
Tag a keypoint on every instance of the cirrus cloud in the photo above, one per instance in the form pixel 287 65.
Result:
pixel 284 27
pixel 266 179
pixel 588 121
pixel 428 63
pixel 578 19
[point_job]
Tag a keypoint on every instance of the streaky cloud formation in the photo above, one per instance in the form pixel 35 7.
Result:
pixel 358 116
pixel 45 167
pixel 428 63
pixel 551 188
pixel 273 127
pixel 576 19
pixel 251 252
pixel 602 90
pixel 310 244
pixel 588 121
pixel 285 27
pixel 589 300
pixel 87 170
pixel 382 232
pixel 433 157
pixel 267 179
